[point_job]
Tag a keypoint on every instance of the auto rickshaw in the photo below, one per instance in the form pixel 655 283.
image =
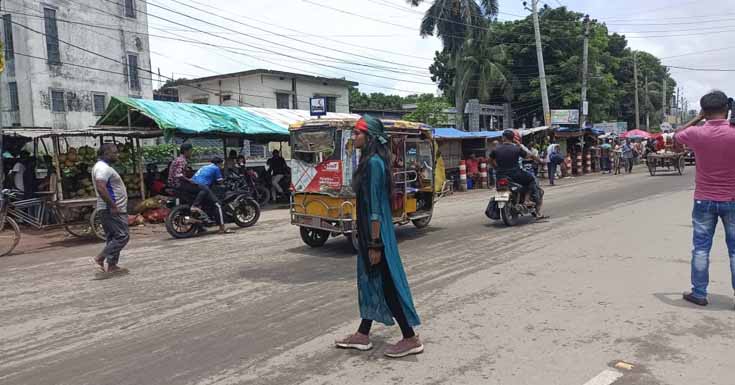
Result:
pixel 323 202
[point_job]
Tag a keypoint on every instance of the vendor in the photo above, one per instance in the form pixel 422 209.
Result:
pixel 473 169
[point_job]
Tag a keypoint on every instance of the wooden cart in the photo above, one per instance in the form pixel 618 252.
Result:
pixel 57 209
pixel 671 161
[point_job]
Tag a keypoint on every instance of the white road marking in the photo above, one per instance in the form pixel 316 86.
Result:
pixel 607 377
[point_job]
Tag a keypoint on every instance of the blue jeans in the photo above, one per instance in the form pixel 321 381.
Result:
pixel 704 220
pixel 552 171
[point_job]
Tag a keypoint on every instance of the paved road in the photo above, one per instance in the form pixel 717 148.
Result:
pixel 544 303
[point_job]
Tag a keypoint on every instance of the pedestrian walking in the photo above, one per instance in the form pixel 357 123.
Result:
pixel 112 205
pixel 617 157
pixel 605 154
pixel 714 195
pixel 553 159
pixel 628 156
pixel 383 290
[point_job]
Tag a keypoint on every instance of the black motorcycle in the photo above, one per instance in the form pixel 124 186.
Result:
pixel 248 181
pixel 508 202
pixel 264 183
pixel 237 207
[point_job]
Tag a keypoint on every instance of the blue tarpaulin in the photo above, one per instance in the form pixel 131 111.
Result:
pixel 593 131
pixel 453 133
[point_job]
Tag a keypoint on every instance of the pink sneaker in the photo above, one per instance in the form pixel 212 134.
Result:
pixel 405 347
pixel 356 341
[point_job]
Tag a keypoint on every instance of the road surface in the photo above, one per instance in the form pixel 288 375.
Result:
pixel 543 303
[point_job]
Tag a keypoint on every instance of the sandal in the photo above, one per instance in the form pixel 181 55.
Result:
pixel 99 265
pixel 543 217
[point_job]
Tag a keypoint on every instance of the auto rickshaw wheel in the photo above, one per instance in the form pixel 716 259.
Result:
pixel 314 237
pixel 354 241
pixel 422 222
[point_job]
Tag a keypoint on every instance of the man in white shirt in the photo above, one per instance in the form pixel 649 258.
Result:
pixel 18 172
pixel 112 205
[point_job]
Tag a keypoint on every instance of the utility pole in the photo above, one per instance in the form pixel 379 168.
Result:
pixel 635 80
pixel 663 100
pixel 540 57
pixel 585 65
pixel 646 101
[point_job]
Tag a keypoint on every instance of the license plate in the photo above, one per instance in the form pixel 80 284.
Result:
pixel 502 196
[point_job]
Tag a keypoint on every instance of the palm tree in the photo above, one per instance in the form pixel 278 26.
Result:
pixel 454 21
pixel 484 73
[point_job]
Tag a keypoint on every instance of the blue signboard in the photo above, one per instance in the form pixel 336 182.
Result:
pixel 318 106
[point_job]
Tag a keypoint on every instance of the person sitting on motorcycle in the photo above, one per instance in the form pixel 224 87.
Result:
pixel 207 177
pixel 278 170
pixel 178 180
pixel 506 159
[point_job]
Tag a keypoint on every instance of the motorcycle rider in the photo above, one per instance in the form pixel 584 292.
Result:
pixel 506 159
pixel 178 180
pixel 205 178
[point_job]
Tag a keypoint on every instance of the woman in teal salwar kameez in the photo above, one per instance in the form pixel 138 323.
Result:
pixel 383 290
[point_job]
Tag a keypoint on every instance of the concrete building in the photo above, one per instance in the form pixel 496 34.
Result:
pixel 65 59
pixel 267 89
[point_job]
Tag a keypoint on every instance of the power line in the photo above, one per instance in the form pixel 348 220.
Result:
pixel 281 35
pixel 701 69
pixel 181 39
pixel 325 37
pixel 269 50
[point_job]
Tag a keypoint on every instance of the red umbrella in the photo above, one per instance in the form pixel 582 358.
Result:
pixel 636 134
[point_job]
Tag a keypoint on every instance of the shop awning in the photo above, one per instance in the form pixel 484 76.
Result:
pixel 185 119
pixel 453 133
pixel 576 131
pixel 534 130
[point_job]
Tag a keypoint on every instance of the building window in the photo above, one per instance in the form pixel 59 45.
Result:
pixel 52 36
pixel 133 79
pixel 201 101
pixel 57 101
pixel 99 101
pixel 8 32
pixel 331 104
pixel 13 90
pixel 282 102
pixel 226 98
pixel 130 8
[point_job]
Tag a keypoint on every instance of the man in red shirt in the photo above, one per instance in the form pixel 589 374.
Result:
pixel 714 196
pixel 473 170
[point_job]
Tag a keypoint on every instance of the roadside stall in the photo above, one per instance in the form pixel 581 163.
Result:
pixel 455 146
pixel 61 169
pixel 581 145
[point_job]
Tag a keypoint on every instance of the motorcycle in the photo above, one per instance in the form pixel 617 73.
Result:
pixel 237 207
pixel 265 182
pixel 508 204
pixel 247 180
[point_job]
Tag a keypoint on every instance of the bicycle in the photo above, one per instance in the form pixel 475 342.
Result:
pixel 9 230
pixel 78 217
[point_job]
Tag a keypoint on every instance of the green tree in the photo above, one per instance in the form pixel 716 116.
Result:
pixel 430 111
pixel 454 21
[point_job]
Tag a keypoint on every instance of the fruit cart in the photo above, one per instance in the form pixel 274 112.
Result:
pixel 71 200
pixel 672 161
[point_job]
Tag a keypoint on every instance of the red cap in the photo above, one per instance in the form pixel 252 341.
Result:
pixel 361 125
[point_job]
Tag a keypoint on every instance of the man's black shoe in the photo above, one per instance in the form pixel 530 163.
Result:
pixel 695 300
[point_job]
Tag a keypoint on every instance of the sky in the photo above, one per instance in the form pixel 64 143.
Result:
pixel 376 42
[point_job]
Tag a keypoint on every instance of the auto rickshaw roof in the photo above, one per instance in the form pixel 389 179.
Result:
pixel 390 125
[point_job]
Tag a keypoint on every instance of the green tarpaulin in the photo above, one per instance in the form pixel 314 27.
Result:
pixel 185 119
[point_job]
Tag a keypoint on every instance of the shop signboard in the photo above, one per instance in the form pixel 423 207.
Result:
pixel 318 106
pixel 565 117
pixel 612 127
